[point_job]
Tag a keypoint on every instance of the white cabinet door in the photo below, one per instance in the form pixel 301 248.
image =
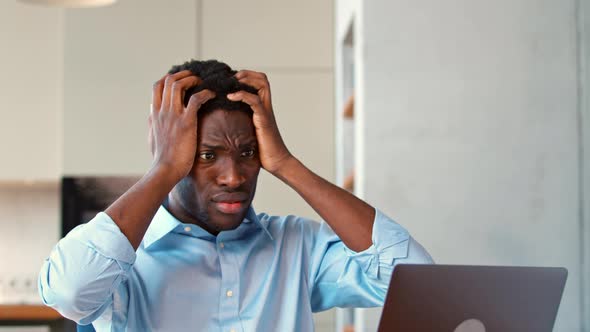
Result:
pixel 30 92
pixel 268 33
pixel 113 55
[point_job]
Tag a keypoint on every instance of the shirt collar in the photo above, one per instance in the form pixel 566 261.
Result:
pixel 164 222
pixel 252 217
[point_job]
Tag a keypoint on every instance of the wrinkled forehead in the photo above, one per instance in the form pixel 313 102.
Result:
pixel 219 125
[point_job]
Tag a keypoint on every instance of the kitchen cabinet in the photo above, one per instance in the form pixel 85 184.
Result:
pixel 277 34
pixel 113 55
pixel 30 92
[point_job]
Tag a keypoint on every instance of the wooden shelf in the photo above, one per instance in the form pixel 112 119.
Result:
pixel 348 112
pixel 28 313
pixel 30 184
pixel 348 183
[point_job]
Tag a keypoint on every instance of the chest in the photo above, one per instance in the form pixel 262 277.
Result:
pixel 192 281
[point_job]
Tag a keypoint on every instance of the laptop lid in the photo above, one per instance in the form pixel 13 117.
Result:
pixel 472 298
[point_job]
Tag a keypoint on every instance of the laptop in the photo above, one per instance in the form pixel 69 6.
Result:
pixel 459 298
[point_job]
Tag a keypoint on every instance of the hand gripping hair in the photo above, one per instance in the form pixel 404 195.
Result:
pixel 219 78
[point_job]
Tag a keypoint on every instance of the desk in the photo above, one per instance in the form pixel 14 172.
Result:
pixel 27 315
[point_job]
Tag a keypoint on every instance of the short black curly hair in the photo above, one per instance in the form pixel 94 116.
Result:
pixel 219 78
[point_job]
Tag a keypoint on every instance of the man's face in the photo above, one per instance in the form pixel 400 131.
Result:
pixel 221 185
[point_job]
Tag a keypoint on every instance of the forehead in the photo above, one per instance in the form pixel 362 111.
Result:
pixel 221 124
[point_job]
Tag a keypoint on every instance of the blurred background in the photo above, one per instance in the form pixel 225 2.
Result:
pixel 467 121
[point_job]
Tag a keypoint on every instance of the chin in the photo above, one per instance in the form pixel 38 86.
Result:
pixel 225 221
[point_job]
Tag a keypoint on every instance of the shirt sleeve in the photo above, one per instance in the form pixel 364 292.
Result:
pixel 85 268
pixel 341 277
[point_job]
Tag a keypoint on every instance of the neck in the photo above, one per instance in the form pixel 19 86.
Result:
pixel 179 212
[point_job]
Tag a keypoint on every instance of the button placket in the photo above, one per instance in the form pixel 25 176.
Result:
pixel 229 301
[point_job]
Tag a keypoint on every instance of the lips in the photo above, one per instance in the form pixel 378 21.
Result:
pixel 230 208
pixel 230 203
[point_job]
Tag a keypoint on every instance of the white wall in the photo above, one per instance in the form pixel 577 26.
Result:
pixel 584 113
pixel 477 104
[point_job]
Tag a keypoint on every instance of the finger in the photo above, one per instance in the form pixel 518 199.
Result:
pixel 251 99
pixel 170 79
pixel 199 99
pixel 157 90
pixel 255 79
pixel 150 135
pixel 259 81
pixel 244 72
pixel 179 89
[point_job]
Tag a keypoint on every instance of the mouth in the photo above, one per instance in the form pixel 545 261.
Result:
pixel 230 208
pixel 230 203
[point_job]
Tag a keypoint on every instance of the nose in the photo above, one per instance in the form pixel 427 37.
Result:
pixel 230 175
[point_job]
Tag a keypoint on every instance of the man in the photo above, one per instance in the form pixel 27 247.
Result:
pixel 183 250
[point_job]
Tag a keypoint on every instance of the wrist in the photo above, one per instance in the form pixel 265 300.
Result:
pixel 165 174
pixel 287 168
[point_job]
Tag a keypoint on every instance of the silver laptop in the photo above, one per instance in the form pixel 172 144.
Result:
pixel 458 298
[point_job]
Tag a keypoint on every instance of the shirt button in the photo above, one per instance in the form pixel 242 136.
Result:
pixel 221 245
pixel 229 293
pixel 187 229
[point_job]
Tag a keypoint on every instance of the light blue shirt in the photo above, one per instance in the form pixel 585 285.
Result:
pixel 269 274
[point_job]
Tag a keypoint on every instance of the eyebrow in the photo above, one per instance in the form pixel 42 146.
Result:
pixel 221 147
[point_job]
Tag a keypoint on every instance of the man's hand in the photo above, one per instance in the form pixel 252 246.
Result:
pixel 272 150
pixel 172 127
pixel 350 217
pixel 172 138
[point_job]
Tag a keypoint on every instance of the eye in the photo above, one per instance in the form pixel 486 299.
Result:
pixel 207 155
pixel 248 153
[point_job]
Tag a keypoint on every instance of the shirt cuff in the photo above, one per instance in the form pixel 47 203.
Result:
pixel 390 242
pixel 103 235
